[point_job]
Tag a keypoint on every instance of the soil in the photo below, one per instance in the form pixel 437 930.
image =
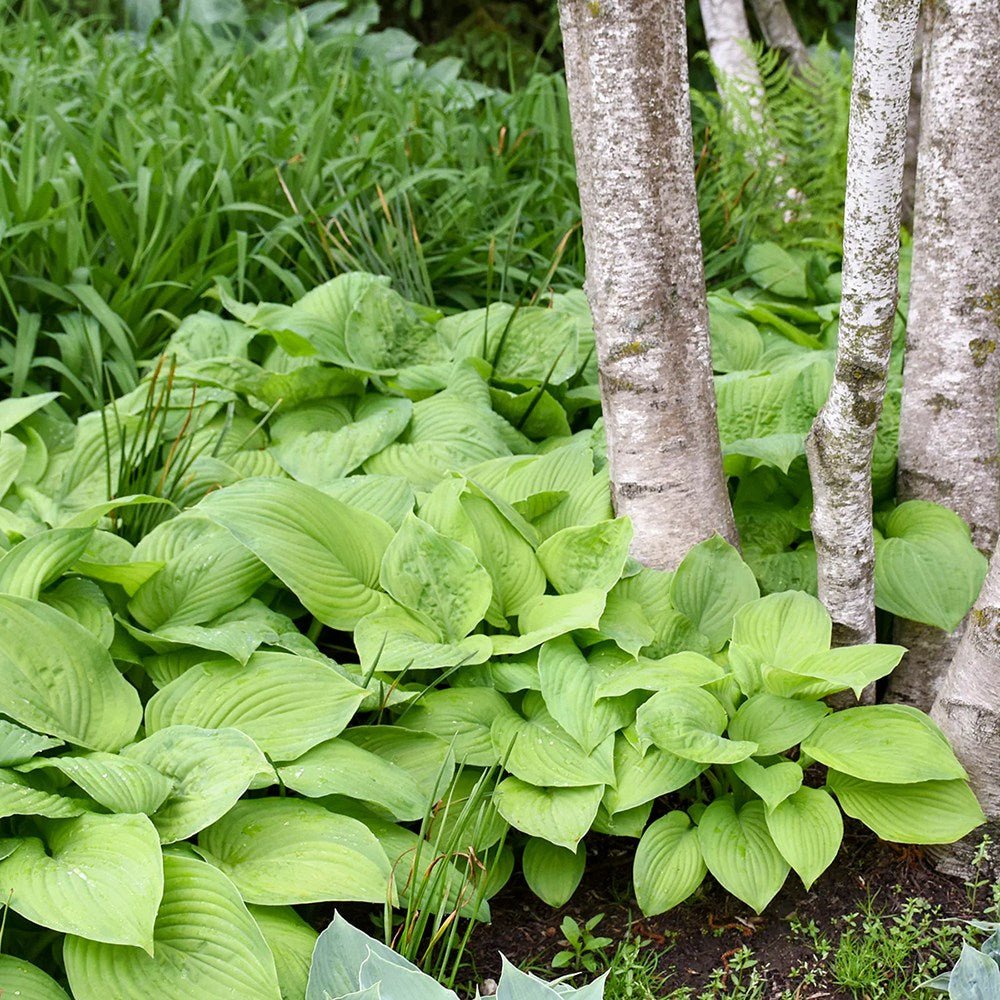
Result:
pixel 703 934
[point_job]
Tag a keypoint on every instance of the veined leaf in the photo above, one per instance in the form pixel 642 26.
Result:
pixel 668 864
pixel 642 777
pixel 552 872
pixel 22 979
pixel 807 828
pixel 776 724
pixel 772 782
pixel 291 941
pixel 589 557
pixel 33 564
pixel 562 816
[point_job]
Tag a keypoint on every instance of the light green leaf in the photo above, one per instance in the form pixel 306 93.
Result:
pixel 21 797
pixel 282 851
pixel 33 564
pixel 285 704
pixel 653 675
pixel 586 557
pixel 880 743
pixel 551 616
pixel 776 270
pixel 927 812
pixel 552 872
pixel 22 979
pixel 326 553
pixel 773 782
pixel 642 777
pixel 689 722
pixel 740 853
pixel 779 450
pixel 97 876
pixel 562 816
pixel 57 678
pixel 18 745
pixel 736 342
pixel 437 578
pixel 84 602
pixel 210 769
pixel 13 411
pixel 774 723
pixel 823 674
pixel 205 944
pixel 668 864
pixel 807 828
pixel 291 941
pixel 387 497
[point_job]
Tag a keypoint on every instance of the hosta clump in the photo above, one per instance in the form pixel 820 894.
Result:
pixel 347 964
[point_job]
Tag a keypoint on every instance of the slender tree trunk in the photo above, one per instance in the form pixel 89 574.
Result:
pixel 951 379
pixel 968 710
pixel 843 436
pixel 626 70
pixel 730 47
pixel 913 130
pixel 779 30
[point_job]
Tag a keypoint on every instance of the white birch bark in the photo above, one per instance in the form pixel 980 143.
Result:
pixel 913 131
pixel 730 48
pixel 779 30
pixel 968 711
pixel 626 70
pixel 840 443
pixel 951 378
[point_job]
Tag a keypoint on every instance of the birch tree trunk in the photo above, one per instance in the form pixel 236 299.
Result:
pixel 840 443
pixel 951 378
pixel 913 130
pixel 779 30
pixel 968 710
pixel 729 45
pixel 626 71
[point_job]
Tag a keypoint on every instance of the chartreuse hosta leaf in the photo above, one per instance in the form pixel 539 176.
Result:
pixel 97 876
pixel 711 584
pixel 883 743
pixel 291 941
pixel 551 616
pixel 740 852
pixel 668 863
pixel 327 553
pixel 807 828
pixel 822 674
pixel 562 816
pixel 642 777
pixel 285 704
pixel 20 796
pixel 653 675
pixel 84 602
pixel 438 579
pixel 772 782
pixel 58 679
pixel 281 850
pixel 925 812
pixel 926 567
pixel 552 872
pixel 210 770
pixel 774 723
pixel 586 557
pixel 689 722
pixel 205 944
pixel 18 745
pixel 22 979
pixel 35 562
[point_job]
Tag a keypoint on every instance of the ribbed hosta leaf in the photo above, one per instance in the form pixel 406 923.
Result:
pixel 37 561
pixel 807 828
pixel 206 945
pixel 22 979
pixel 291 941
pixel 668 864
pixel 281 851
pixel 562 816
pixel 586 557
pixel 285 704
pixel 19 796
pixel 642 777
pixel 210 769
pixel 776 724
pixel 18 744
pixel 97 876
pixel 552 872
pixel 550 616
pixel 326 553
pixel 773 783
pixel 58 679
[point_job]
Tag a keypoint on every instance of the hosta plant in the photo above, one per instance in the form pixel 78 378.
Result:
pixel 976 975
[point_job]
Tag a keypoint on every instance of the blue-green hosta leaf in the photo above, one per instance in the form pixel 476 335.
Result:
pixel 18 745
pixel 34 563
pixel 281 851
pixel 779 630
pixel 464 715
pixel 206 573
pixel 653 675
pixel 776 724
pixel 393 639
pixel 587 557
pixel 285 704
pixel 118 783
pixel 807 828
pixel 20 796
pixel 291 941
pixel 562 816
pixel 205 944
pixel 22 979
pixel 927 812
pixel 57 678
pixel 540 751
pixel 210 769
pixel 689 722
pixel 822 674
pixel 551 616
pixel 881 743
pixel 326 553
pixel 976 976
pixel 926 567
pixel 85 603
pixel 569 686
pixel 711 584
pixel 740 853
pixel 517 985
pixel 552 872
pixel 668 864
pixel 642 777
pixel 97 876
pixel 773 783
pixel 437 578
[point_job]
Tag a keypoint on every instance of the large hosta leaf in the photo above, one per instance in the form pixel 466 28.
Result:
pixel 22 979
pixel 807 828
pixel 205 945
pixel 285 704
pixel 326 553
pixel 550 616
pixel 641 777
pixel 281 851
pixel 58 679
pixel 562 816
pixel 776 724
pixel 35 562
pixel 668 864
pixel 210 769
pixel 822 674
pixel 97 876
pixel 552 872
pixel 291 941
pixel 19 796
pixel 18 745
pixel 586 557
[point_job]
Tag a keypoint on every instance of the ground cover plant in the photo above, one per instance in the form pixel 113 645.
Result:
pixel 329 550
